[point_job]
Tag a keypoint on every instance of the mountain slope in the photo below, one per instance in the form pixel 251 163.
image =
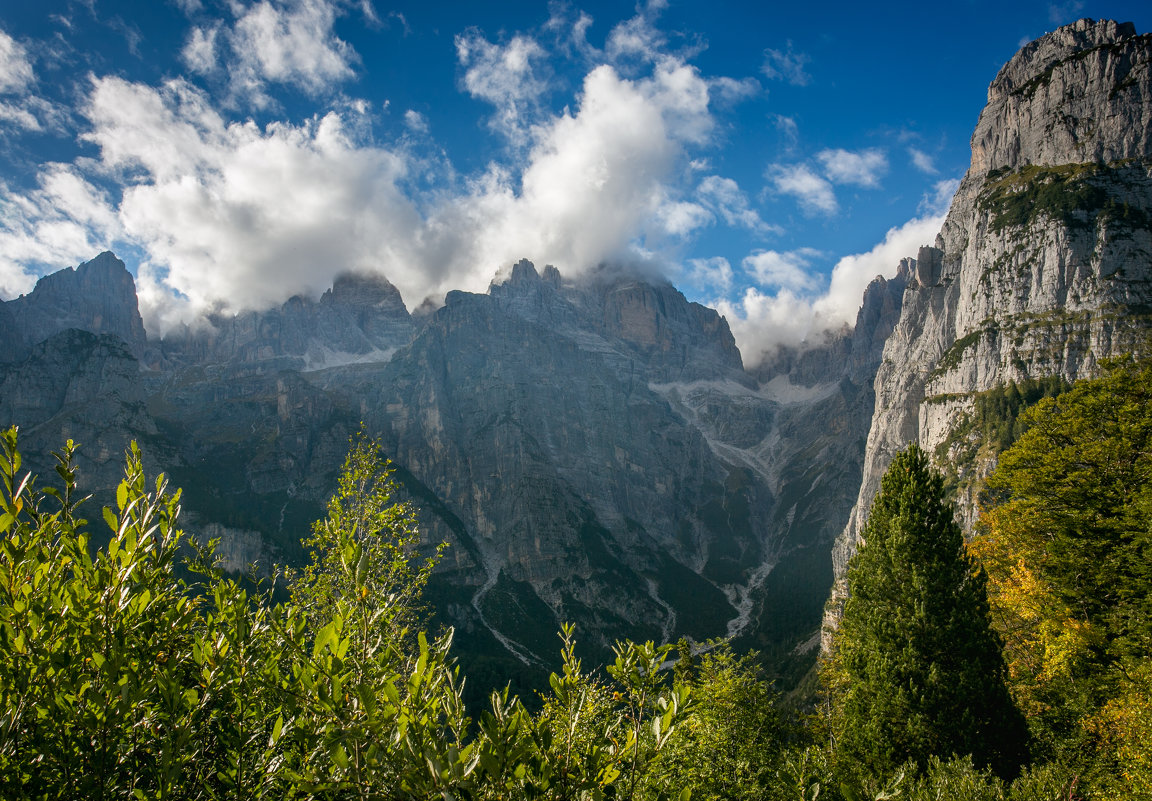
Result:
pixel 1044 263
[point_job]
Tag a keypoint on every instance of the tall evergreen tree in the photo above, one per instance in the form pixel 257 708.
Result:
pixel 916 671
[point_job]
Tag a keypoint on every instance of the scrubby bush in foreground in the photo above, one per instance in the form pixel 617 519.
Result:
pixel 119 679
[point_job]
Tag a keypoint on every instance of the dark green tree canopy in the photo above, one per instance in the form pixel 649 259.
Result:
pixel 917 671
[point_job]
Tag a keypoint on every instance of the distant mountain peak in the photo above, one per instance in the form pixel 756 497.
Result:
pixel 98 296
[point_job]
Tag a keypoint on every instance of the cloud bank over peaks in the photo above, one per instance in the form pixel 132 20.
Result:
pixel 229 214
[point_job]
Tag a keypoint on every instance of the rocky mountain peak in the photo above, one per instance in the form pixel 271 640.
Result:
pixel 1040 56
pixel 98 296
pixel 363 291
pixel 1041 268
pixel 1079 94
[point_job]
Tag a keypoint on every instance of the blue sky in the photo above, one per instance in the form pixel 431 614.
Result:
pixel 768 159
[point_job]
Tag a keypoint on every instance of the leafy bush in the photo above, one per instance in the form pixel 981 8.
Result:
pixel 120 679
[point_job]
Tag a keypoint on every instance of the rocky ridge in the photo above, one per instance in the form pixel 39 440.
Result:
pixel 1042 267
pixel 593 451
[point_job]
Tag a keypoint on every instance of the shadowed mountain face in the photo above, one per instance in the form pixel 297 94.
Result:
pixel 593 452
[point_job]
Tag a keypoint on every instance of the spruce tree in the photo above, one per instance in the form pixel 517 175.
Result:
pixel 916 670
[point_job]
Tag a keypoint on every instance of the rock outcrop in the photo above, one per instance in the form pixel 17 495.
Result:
pixel 1044 263
pixel 361 318
pixel 98 296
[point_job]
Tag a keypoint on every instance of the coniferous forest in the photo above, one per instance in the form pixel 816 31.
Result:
pixel 1014 666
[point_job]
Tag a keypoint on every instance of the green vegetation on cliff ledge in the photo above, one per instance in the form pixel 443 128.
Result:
pixel 992 425
pixel 1072 194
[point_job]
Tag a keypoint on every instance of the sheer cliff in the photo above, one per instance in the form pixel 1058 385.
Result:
pixel 1044 264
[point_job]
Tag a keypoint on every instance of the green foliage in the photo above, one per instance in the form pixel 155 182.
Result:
pixel 731 745
pixel 916 670
pixel 120 680
pixel 955 354
pixel 1072 194
pixel 994 423
pixel 1068 550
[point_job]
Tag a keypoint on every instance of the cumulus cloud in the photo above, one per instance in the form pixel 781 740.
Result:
pixel 288 42
pixel 922 161
pixel 760 320
pixel 786 65
pixel 714 274
pixel 681 218
pixel 814 192
pixel 862 167
pixel 199 53
pixel 65 220
pixel 940 199
pixel 788 270
pixel 415 121
pixel 723 195
pixel 16 73
pixel 233 215
pixel 730 91
pixel 505 76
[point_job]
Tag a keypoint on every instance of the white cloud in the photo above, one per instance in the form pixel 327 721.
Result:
pixel 922 161
pixel 941 198
pixel 862 167
pixel 680 218
pixel 787 270
pixel 730 91
pixel 760 321
pixel 415 121
pixel 723 195
pixel 199 53
pixel 788 130
pixel 505 76
pixel 23 109
pixel 786 65
pixel 16 74
pixel 637 37
pixel 233 215
pixel 596 178
pixel 814 192
pixel 290 42
pixel 18 116
pixel 65 221
pixel 852 274
pixel 714 274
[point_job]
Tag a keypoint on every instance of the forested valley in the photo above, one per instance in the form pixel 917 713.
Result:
pixel 1012 666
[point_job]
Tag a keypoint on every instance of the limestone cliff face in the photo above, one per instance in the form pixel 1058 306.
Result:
pixel 1044 264
pixel 98 296
pixel 81 386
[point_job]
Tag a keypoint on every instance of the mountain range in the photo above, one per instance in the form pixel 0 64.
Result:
pixel 594 449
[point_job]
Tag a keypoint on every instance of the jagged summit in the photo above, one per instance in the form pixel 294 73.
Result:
pixel 1041 268
pixel 98 296
pixel 365 290
pixel 1079 94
